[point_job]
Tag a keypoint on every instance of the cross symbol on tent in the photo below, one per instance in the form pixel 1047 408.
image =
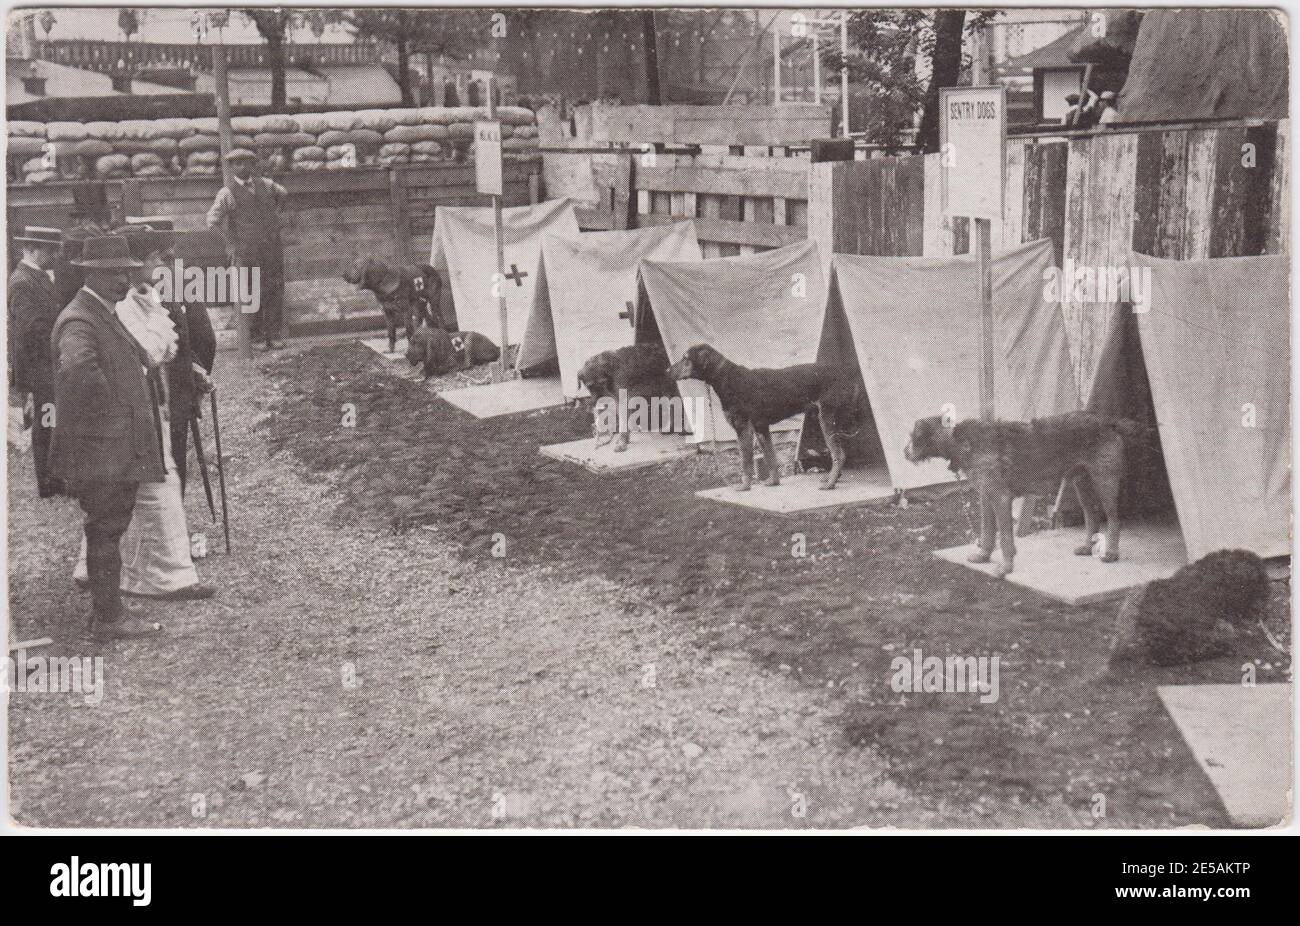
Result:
pixel 630 310
pixel 517 275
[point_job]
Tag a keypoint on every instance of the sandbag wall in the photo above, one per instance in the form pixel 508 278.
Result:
pixel 40 152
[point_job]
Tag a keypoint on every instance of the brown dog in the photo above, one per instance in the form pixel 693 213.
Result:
pixel 407 294
pixel 446 352
pixel 1007 459
pixel 754 400
pixel 1194 614
pixel 638 371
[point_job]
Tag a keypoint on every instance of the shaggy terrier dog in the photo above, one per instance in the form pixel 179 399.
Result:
pixel 1194 614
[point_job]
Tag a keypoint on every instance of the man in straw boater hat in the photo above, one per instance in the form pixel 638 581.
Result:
pixel 108 437
pixel 248 214
pixel 33 307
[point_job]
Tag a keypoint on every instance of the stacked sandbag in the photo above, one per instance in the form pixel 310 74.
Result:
pixel 307 141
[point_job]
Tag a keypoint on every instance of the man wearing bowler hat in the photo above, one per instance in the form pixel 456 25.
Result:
pixel 188 373
pixel 108 436
pixel 33 307
pixel 248 214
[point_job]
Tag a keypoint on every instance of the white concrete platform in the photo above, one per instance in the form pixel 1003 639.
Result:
pixel 1045 562
pixel 512 397
pixel 644 449
pixel 1241 738
pixel 380 347
pixel 802 492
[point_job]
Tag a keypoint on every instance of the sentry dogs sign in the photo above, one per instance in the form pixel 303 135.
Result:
pixel 487 157
pixel 972 137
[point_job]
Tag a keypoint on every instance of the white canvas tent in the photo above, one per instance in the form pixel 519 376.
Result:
pixel 914 326
pixel 584 285
pixel 759 310
pixel 464 252
pixel 1216 346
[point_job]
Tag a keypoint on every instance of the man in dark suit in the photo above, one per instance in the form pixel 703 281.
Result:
pixel 247 212
pixel 108 437
pixel 196 349
pixel 33 307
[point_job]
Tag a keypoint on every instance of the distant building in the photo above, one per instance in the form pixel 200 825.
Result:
pixel 30 80
pixel 368 85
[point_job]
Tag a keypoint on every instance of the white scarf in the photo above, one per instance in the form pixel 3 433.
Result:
pixel 143 315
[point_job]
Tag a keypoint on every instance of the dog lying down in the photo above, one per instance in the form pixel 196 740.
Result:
pixel 638 371
pixel 1007 459
pixel 1194 614
pixel 755 399
pixel 447 352
pixel 408 294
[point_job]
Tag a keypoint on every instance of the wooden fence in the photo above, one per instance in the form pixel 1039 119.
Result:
pixel 331 218
pixel 740 204
pixel 730 171
pixel 1181 193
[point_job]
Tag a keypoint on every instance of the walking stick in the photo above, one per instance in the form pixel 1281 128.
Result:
pixel 203 465
pixel 221 468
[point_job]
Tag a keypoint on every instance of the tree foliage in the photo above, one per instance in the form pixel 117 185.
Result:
pixel 885 48
pixel 453 33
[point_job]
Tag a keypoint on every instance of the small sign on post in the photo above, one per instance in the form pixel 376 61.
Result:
pixel 488 179
pixel 972 139
pixel 487 157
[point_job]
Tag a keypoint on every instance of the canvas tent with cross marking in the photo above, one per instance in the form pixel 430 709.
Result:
pixel 759 310
pixel 585 295
pixel 464 252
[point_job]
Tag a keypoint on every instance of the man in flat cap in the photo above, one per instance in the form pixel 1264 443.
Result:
pixel 108 436
pixel 33 307
pixel 247 212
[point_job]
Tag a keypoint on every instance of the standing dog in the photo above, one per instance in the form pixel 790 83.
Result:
pixel 754 400
pixel 407 294
pixel 640 370
pixel 1007 459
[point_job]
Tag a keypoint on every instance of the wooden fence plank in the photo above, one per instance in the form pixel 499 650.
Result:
pixel 937 237
pixel 820 210
pixel 730 232
pixel 734 177
pixel 1011 232
pixel 1172 184
pixel 401 217
pixel 1045 180
pixel 1146 193
pixel 1278 240
pixel 1197 216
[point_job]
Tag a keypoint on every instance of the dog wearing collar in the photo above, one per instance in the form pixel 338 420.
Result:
pixel 408 294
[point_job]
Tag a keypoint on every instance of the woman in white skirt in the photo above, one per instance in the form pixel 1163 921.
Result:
pixel 156 560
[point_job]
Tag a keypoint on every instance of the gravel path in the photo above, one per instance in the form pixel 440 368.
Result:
pixel 348 676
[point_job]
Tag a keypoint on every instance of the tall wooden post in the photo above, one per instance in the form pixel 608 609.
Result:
pixel 242 331
pixel 983 233
pixel 499 235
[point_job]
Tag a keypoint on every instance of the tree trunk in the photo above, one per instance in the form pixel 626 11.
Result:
pixel 651 57
pixel 404 71
pixel 275 58
pixel 945 70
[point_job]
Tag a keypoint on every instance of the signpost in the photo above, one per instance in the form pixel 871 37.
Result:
pixel 972 139
pixel 488 179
